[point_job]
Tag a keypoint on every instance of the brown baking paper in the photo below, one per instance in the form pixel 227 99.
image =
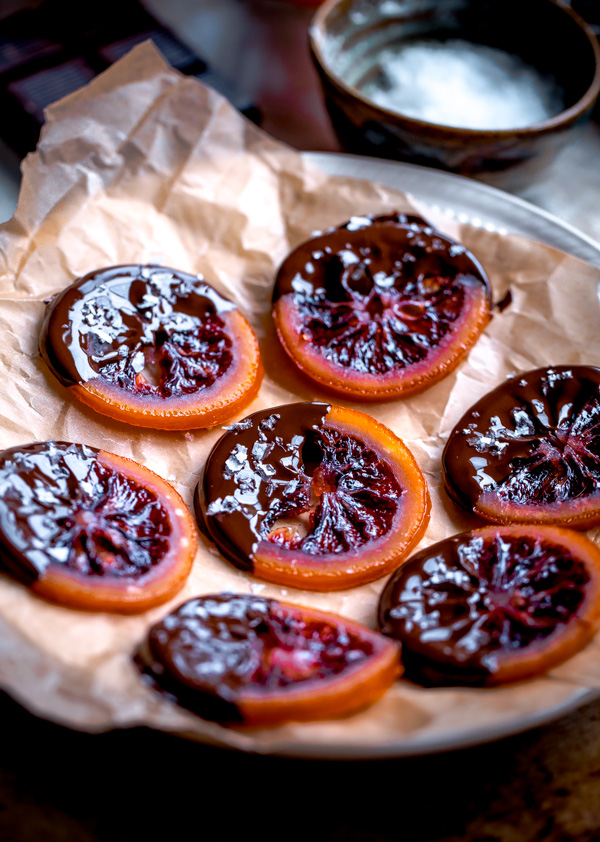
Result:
pixel 147 165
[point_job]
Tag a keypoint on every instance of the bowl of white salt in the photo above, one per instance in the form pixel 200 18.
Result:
pixel 485 88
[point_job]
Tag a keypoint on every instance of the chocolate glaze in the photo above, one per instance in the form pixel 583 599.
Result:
pixel 282 462
pixel 376 295
pixel 393 218
pixel 209 650
pixel 504 302
pixel 60 506
pixel 255 475
pixel 463 604
pixel 536 438
pixel 147 329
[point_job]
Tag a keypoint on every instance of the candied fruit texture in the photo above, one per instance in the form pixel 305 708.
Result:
pixel 370 508
pixel 175 405
pixel 495 605
pixel 338 506
pixel 182 362
pixel 377 327
pixel 530 451
pixel 348 494
pixel 256 661
pixel 94 530
pixel 152 347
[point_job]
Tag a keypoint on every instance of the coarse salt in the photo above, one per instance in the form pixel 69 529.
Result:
pixel 461 84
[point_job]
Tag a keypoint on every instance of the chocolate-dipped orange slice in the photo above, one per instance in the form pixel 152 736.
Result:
pixel 254 661
pixel 153 347
pixel 379 308
pixel 495 605
pixel 311 495
pixel 529 451
pixel 90 529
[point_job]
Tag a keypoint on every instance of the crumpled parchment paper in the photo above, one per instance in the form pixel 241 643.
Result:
pixel 146 165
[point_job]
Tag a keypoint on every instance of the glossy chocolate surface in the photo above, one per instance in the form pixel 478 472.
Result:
pixel 534 439
pixel 356 223
pixel 462 605
pixel 376 295
pixel 285 465
pixel 145 329
pixel 213 648
pixel 60 505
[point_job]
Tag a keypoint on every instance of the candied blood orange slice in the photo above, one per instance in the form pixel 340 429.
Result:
pixel 256 661
pixel 379 309
pixel 499 604
pixel 529 451
pixel 153 347
pixel 315 496
pixel 90 529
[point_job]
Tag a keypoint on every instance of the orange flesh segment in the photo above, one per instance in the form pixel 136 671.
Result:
pixel 347 695
pixel 507 619
pixel 198 411
pixel 412 379
pixel 155 587
pixel 251 661
pixel 369 564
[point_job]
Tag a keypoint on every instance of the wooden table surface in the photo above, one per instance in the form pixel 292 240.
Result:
pixel 57 785
pixel 63 786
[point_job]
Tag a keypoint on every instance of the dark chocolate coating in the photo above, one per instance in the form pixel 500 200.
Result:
pixel 282 472
pixel 208 651
pixel 400 252
pixel 380 295
pixel 60 506
pixel 535 438
pixel 461 605
pixel 113 322
pixel 393 218
pixel 252 473
pixel 205 651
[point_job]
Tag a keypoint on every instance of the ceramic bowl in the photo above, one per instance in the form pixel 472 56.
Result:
pixel 347 38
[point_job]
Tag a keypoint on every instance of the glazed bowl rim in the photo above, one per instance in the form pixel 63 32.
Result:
pixel 317 33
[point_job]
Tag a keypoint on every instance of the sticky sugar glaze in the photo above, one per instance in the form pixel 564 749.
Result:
pixel 535 440
pixel 464 605
pixel 60 505
pixel 149 330
pixel 283 463
pixel 211 649
pixel 379 293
